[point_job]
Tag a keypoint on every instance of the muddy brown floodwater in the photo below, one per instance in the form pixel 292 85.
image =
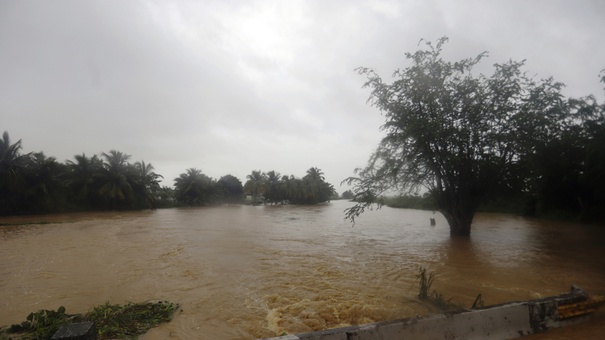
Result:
pixel 245 272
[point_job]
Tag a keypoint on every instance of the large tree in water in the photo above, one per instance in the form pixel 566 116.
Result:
pixel 460 135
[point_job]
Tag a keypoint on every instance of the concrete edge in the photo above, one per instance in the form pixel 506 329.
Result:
pixel 503 321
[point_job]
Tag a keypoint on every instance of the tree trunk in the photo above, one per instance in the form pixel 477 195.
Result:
pixel 459 213
pixel 460 224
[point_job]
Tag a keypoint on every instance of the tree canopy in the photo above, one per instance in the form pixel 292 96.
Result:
pixel 231 188
pixel 461 136
pixel 195 188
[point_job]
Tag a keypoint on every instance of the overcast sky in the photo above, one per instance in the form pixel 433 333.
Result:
pixel 234 86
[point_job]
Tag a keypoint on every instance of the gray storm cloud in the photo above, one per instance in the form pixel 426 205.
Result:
pixel 230 87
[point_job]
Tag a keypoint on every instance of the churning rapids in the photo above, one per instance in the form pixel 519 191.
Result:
pixel 244 272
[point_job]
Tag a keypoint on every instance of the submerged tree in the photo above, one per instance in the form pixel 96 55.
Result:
pixel 461 136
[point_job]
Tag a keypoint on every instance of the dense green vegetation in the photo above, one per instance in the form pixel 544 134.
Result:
pixel 111 321
pixel 275 188
pixel 32 183
pixel 504 141
pixel 195 188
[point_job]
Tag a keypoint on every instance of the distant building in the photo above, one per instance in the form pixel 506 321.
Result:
pixel 258 200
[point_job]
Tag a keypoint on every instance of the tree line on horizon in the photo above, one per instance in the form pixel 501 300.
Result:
pixel 195 188
pixel 33 183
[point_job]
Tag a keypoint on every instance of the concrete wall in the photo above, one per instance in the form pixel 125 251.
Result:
pixel 506 321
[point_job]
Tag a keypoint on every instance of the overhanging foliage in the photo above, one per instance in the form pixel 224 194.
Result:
pixel 462 136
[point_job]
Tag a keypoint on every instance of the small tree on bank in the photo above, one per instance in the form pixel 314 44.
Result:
pixel 462 136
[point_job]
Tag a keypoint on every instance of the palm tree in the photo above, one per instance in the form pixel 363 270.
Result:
pixel 272 187
pixel 115 180
pixel 13 166
pixel 195 188
pixel 286 187
pixel 315 189
pixel 116 161
pixel 44 192
pixel 254 185
pixel 292 188
pixel 165 197
pixel 315 174
pixel 80 177
pixel 147 182
pixel 12 163
pixel 187 186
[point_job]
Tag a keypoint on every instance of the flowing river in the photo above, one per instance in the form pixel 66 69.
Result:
pixel 245 272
